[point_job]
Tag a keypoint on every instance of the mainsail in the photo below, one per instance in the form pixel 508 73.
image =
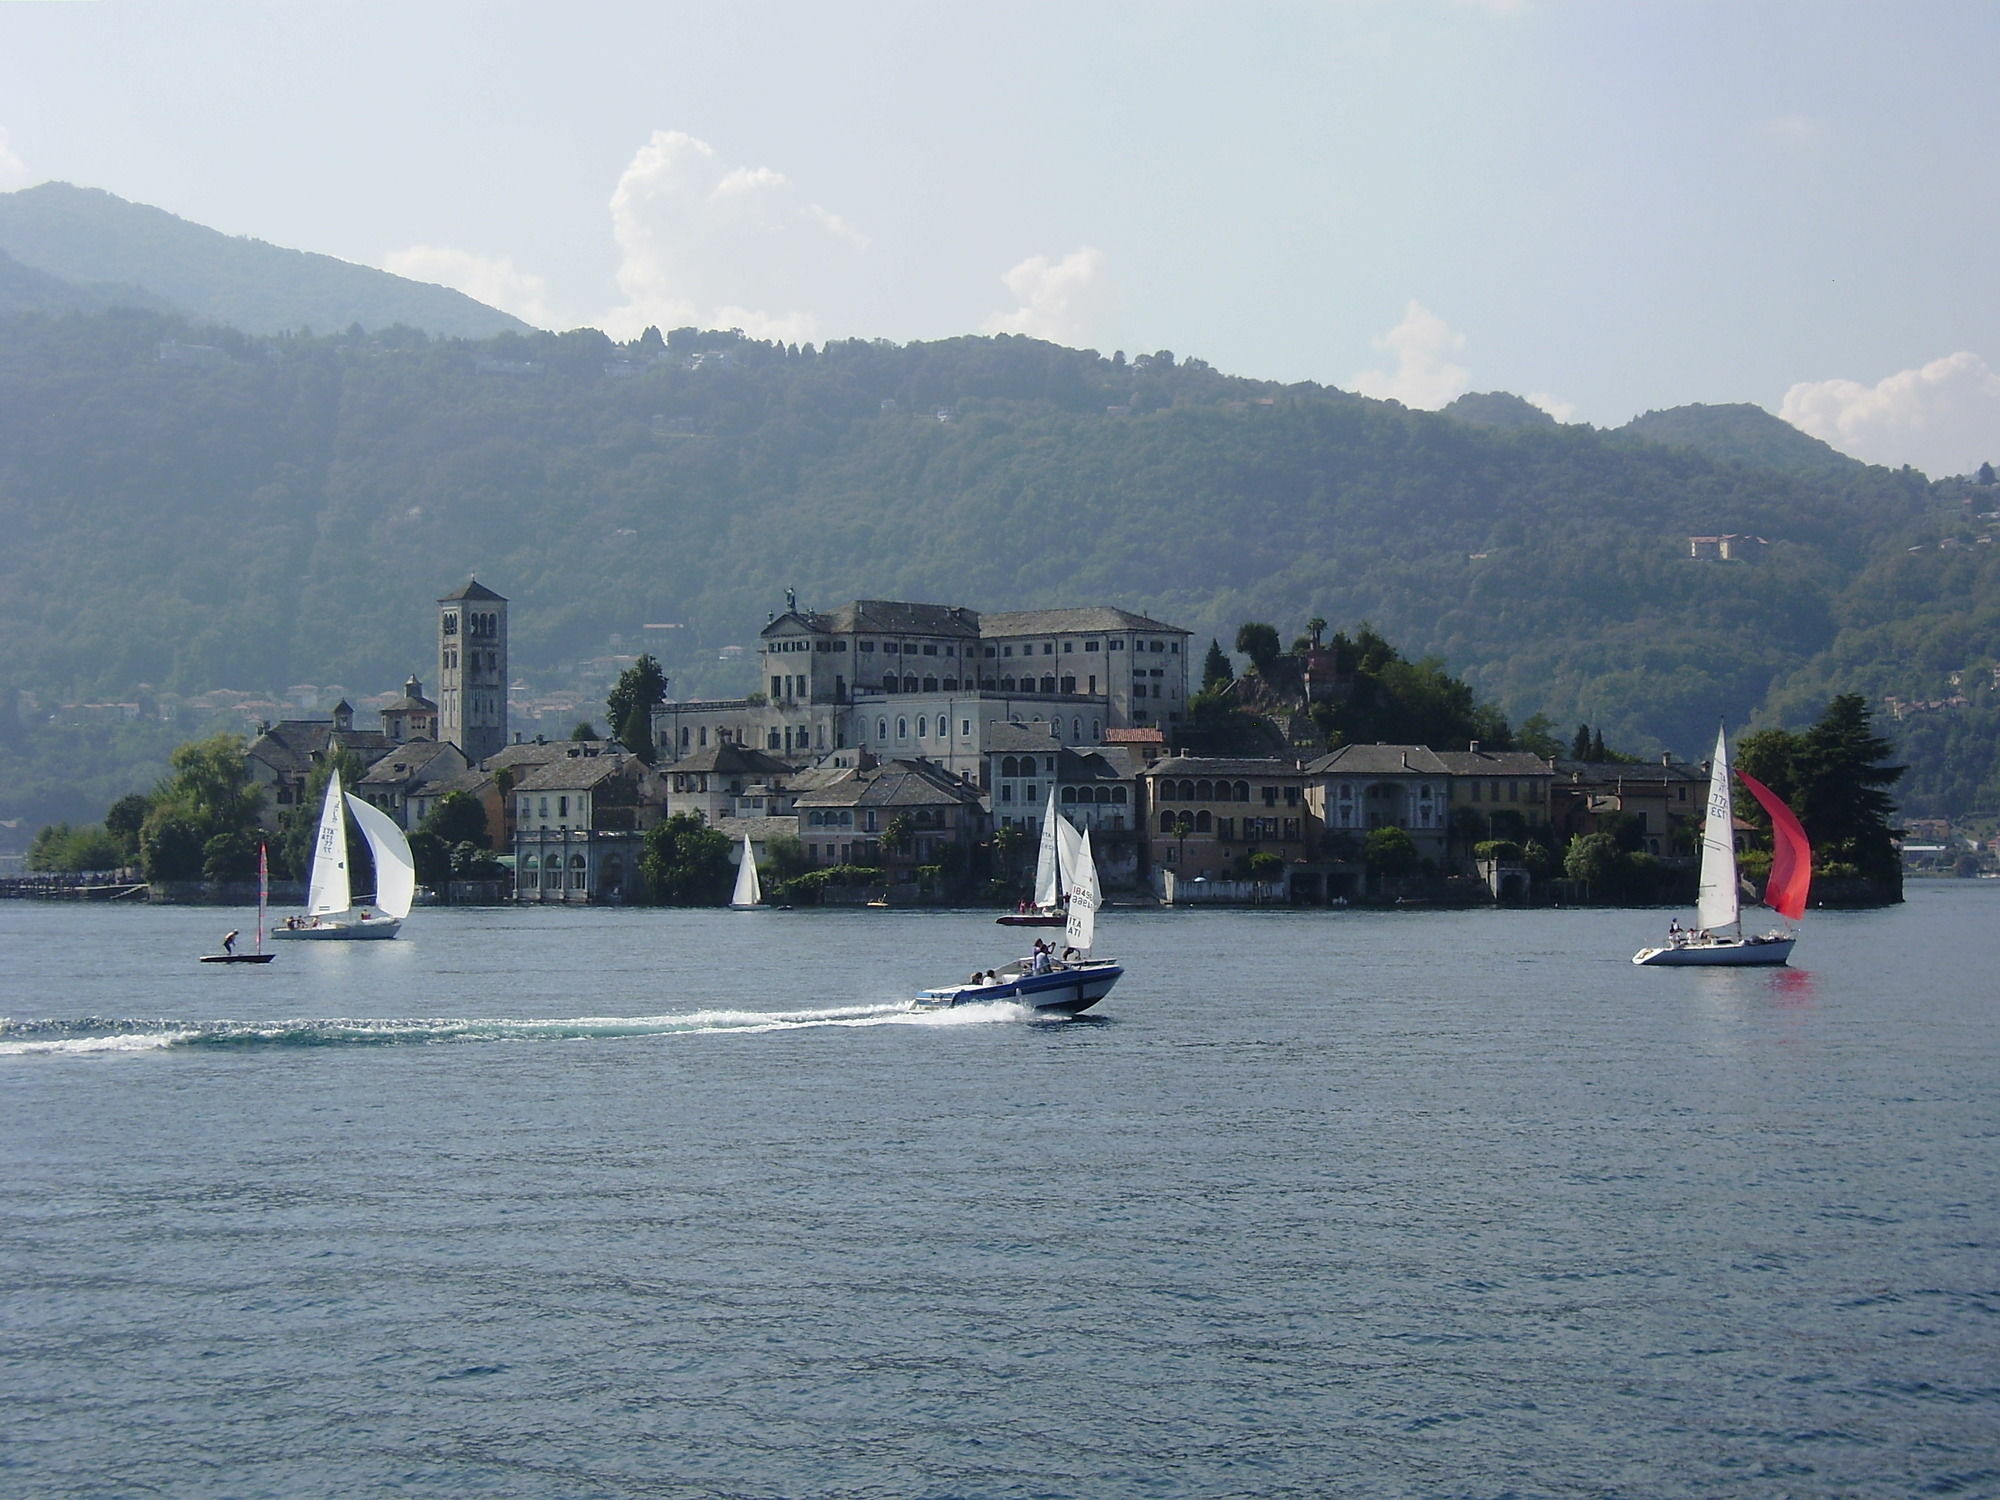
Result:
pixel 395 870
pixel 1049 859
pixel 748 891
pixel 1718 903
pixel 1083 898
pixel 327 892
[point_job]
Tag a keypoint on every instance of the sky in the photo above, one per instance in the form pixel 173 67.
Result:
pixel 1606 206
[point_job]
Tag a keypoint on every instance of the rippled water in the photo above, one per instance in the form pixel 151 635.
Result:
pixel 608 1203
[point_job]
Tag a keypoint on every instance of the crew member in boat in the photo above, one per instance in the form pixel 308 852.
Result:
pixel 229 939
pixel 1674 933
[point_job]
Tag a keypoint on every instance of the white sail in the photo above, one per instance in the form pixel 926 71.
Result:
pixel 395 871
pixel 1069 851
pixel 1718 904
pixel 1083 898
pixel 748 891
pixel 327 892
pixel 1048 859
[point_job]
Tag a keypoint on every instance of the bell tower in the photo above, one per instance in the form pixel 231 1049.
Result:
pixel 472 670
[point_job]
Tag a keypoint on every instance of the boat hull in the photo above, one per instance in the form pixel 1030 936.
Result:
pixel 1719 953
pixel 1032 919
pixel 1064 991
pixel 237 958
pixel 341 932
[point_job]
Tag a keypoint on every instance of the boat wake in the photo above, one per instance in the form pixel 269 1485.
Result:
pixel 99 1035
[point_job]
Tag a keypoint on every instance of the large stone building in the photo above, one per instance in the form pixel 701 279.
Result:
pixel 926 680
pixel 472 670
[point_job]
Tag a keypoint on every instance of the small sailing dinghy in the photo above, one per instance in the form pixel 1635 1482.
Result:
pixel 749 895
pixel 331 913
pixel 1067 985
pixel 229 955
pixel 1055 855
pixel 1718 938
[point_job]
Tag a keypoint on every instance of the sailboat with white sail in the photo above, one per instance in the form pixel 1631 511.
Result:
pixel 1055 859
pixel 229 955
pixel 1717 937
pixel 1067 985
pixel 331 912
pixel 749 893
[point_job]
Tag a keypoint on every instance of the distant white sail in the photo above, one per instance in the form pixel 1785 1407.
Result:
pixel 1083 898
pixel 748 890
pixel 327 893
pixel 1048 859
pixel 395 870
pixel 1718 904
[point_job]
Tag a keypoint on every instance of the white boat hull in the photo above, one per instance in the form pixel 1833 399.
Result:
pixel 1066 991
pixel 341 932
pixel 1719 952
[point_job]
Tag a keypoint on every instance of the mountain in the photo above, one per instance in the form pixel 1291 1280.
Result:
pixel 83 236
pixel 1498 409
pixel 1743 434
pixel 24 289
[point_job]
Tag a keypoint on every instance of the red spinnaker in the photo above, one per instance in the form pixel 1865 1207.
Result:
pixel 1791 855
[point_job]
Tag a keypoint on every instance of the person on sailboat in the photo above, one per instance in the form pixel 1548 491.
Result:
pixel 1674 931
pixel 229 939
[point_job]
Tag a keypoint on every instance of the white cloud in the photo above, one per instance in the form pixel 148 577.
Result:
pixel 494 280
pixel 1943 418
pixel 13 171
pixel 705 243
pixel 1063 301
pixel 1555 406
pixel 1424 375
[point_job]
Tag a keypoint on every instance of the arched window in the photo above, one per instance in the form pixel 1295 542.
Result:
pixel 902 729
pixel 1201 822
pixel 881 729
pixel 1007 767
pixel 1187 791
pixel 1166 822
pixel 579 873
pixel 930 685
pixel 1118 795
pixel 1242 791
pixel 1076 729
pixel 1096 731
pixel 1103 794
pixel 1006 684
pixel 1204 791
pixel 888 682
pixel 1068 794
pixel 1048 684
pixel 923 725
pixel 909 684
pixel 1069 684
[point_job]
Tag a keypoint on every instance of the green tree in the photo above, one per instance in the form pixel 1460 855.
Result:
pixel 1833 776
pixel 1390 851
pixel 203 823
pixel 640 689
pixel 1215 671
pixel 686 863
pixel 583 729
pixel 1260 643
pixel 123 820
pixel 457 818
pixel 432 857
pixel 1593 859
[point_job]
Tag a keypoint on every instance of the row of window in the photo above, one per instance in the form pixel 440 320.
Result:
pixel 562 806
pixel 1204 822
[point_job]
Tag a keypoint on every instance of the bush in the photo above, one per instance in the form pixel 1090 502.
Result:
pixel 1501 851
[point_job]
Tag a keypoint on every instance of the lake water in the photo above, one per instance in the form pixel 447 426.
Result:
pixel 611 1203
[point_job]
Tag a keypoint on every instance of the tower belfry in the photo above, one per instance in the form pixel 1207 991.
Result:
pixel 472 670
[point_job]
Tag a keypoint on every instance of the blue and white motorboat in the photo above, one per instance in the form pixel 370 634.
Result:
pixel 1065 986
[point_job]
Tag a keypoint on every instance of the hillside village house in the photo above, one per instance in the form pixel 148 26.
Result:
pixel 1500 794
pixel 843 820
pixel 1359 788
pixel 1096 789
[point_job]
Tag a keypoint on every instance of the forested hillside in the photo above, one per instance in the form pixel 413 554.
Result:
pixel 291 508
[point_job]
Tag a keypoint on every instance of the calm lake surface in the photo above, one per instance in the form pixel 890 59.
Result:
pixel 657 1203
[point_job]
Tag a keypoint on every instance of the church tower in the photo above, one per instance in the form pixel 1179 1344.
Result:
pixel 472 670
